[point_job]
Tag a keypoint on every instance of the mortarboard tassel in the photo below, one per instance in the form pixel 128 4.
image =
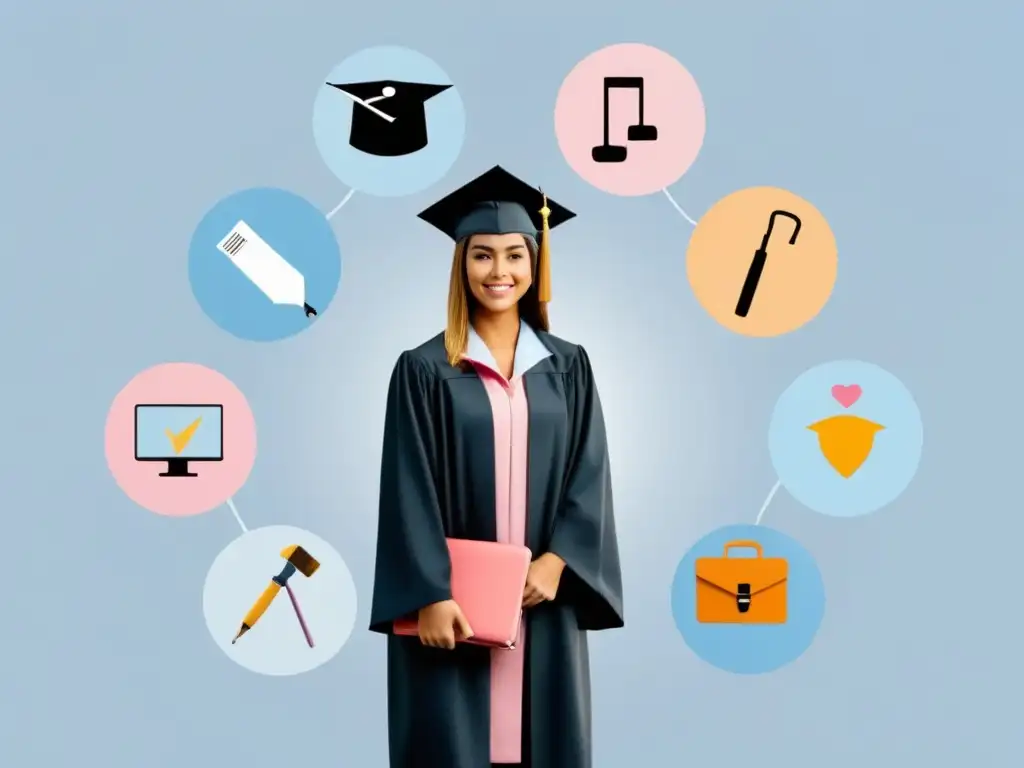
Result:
pixel 544 256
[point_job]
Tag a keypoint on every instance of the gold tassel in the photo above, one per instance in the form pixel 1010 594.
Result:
pixel 544 256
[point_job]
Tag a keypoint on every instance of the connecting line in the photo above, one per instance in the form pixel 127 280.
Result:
pixel 771 495
pixel 676 205
pixel 340 205
pixel 238 517
pixel 231 502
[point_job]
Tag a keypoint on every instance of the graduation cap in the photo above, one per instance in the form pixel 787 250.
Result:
pixel 389 117
pixel 498 203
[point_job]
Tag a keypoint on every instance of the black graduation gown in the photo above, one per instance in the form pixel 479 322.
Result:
pixel 437 481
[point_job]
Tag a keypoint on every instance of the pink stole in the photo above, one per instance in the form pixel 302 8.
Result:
pixel 511 424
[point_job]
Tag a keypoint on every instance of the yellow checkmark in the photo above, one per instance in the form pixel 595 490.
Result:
pixel 181 440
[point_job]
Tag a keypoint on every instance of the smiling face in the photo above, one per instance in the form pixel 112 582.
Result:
pixel 498 271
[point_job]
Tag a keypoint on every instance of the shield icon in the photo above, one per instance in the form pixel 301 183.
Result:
pixel 846 441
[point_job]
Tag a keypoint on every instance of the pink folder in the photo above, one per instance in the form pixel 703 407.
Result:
pixel 488 580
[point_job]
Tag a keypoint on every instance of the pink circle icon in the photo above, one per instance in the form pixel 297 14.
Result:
pixel 180 439
pixel 630 119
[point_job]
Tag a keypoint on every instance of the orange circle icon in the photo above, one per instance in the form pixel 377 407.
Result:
pixel 762 261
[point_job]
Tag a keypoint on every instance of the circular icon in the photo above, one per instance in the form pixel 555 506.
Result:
pixel 264 264
pixel 630 119
pixel 388 121
pixel 748 599
pixel 180 439
pixel 762 261
pixel 279 601
pixel 846 438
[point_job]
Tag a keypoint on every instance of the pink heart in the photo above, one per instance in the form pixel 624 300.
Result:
pixel 847 394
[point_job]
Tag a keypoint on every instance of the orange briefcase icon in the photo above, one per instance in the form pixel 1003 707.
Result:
pixel 742 590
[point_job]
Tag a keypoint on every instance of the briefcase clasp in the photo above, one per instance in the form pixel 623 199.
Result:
pixel 743 597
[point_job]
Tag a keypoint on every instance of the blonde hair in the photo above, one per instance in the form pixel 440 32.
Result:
pixel 461 302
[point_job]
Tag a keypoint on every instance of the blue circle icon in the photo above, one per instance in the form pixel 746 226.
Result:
pixel 748 599
pixel 388 121
pixel 264 264
pixel 846 438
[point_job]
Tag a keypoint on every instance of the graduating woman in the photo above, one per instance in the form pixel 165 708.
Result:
pixel 494 432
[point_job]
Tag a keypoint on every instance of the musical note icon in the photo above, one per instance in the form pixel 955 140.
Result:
pixel 616 153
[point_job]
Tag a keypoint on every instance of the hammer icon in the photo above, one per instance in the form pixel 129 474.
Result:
pixel 296 559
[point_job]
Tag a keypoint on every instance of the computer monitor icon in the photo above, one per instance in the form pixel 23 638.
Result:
pixel 178 434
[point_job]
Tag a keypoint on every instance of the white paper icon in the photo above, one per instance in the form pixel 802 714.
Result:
pixel 266 268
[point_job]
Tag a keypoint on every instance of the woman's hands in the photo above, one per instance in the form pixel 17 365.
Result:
pixel 440 624
pixel 543 579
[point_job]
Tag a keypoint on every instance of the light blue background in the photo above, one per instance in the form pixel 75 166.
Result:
pixel 276 645
pixel 389 176
pixel 751 649
pixel 291 226
pixel 900 121
pixel 151 439
pixel 796 453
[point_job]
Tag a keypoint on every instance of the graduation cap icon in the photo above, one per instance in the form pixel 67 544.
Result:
pixel 389 117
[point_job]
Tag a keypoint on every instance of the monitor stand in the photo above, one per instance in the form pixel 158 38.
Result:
pixel 178 468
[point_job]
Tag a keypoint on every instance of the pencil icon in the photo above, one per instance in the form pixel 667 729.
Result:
pixel 297 559
pixel 266 268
